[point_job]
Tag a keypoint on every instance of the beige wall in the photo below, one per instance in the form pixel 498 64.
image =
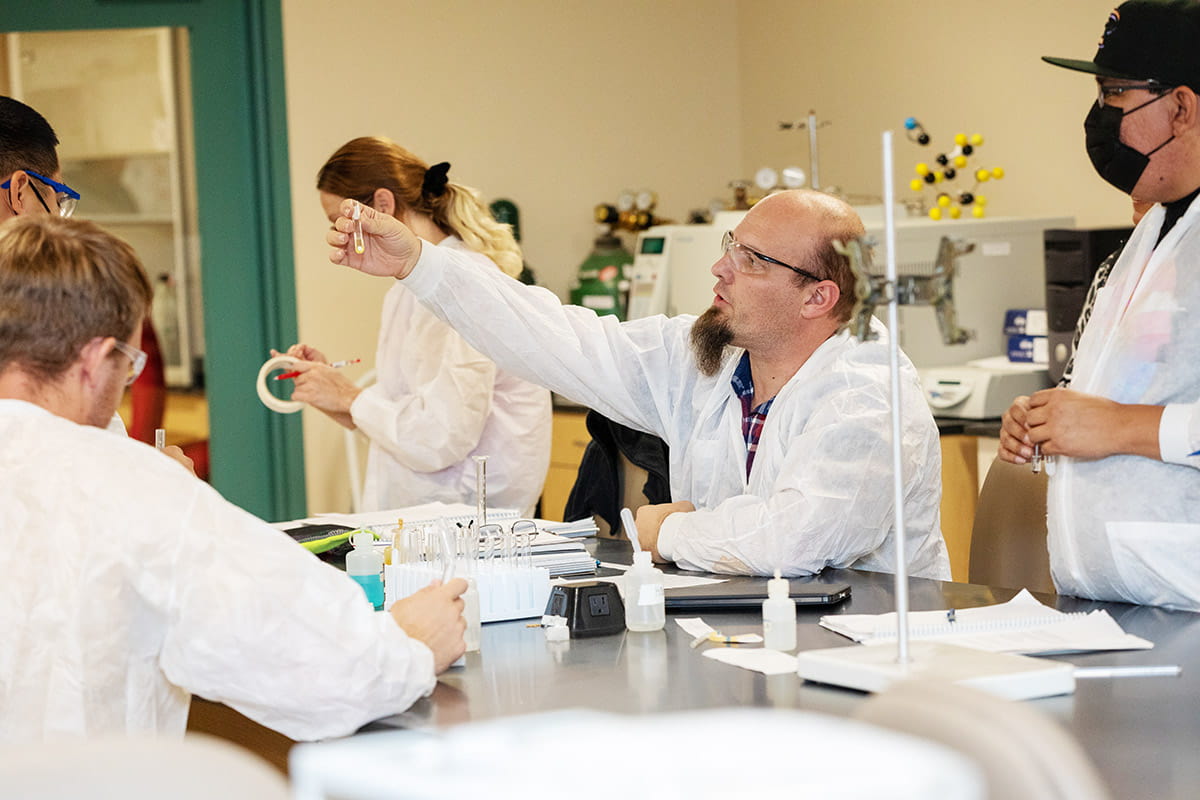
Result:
pixel 560 105
pixel 971 65
pixel 557 105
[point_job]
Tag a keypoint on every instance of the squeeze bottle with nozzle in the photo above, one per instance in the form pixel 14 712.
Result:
pixel 644 606
pixel 365 566
pixel 779 615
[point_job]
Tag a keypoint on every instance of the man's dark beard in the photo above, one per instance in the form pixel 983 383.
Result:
pixel 710 336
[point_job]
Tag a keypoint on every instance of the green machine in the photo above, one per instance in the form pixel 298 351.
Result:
pixel 506 212
pixel 602 284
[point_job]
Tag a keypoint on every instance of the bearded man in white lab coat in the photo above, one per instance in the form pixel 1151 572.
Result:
pixel 1124 440
pixel 778 421
pixel 126 584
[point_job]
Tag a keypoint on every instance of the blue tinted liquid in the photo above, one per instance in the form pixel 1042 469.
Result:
pixel 373 586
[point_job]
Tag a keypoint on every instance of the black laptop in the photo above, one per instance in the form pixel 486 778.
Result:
pixel 743 592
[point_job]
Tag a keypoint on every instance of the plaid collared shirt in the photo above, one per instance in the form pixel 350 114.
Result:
pixel 752 418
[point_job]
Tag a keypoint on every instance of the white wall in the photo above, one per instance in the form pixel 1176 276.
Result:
pixel 560 105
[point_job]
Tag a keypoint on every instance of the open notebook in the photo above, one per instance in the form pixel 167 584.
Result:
pixel 1022 625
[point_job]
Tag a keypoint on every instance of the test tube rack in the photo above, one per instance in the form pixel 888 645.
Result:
pixel 505 592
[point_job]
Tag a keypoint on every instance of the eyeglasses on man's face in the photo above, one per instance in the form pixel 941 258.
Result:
pixel 66 197
pixel 749 261
pixel 1108 91
pixel 137 360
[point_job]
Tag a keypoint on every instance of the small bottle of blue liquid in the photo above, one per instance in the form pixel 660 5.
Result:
pixel 365 565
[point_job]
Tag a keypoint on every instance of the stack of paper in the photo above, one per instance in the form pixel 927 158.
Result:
pixel 1022 625
pixel 562 556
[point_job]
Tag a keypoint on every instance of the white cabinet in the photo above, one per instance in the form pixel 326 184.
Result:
pixel 120 103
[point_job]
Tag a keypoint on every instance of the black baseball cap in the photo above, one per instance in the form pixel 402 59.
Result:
pixel 1143 40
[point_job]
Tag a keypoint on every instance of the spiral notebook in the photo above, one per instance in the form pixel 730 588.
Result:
pixel 1022 625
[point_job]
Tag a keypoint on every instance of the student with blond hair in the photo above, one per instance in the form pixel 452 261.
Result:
pixel 437 401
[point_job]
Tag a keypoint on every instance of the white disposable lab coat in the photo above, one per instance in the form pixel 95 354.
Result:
pixel 437 403
pixel 820 491
pixel 126 585
pixel 1126 527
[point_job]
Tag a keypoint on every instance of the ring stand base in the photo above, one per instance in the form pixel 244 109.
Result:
pixel 873 667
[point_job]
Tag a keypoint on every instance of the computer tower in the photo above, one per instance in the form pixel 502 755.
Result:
pixel 1072 257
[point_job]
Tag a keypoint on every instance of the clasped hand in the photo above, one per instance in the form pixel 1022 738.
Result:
pixel 1070 423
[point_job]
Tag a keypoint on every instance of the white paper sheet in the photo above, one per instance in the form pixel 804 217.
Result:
pixel 768 662
pixel 1022 625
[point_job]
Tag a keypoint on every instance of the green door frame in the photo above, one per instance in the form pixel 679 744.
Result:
pixel 244 207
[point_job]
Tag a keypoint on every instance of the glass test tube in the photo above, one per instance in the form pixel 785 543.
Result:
pixel 359 244
pixel 481 490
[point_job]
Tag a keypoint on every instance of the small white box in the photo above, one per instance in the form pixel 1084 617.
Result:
pixel 1026 321
pixel 1029 349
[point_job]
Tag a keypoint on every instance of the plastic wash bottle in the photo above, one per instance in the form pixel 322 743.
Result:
pixel 644 607
pixel 365 565
pixel 779 615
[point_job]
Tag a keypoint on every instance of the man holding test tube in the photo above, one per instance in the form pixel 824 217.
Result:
pixel 777 419
pixel 128 585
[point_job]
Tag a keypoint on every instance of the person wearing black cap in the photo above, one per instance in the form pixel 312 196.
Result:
pixel 1124 496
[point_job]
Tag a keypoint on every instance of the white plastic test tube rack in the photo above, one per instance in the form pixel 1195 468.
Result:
pixel 505 592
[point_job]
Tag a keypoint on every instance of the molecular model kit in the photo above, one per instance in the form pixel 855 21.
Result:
pixel 949 174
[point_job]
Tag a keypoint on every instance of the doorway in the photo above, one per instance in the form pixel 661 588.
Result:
pixel 241 235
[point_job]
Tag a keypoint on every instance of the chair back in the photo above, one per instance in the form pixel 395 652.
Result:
pixel 1008 539
pixel 138 768
pixel 1024 754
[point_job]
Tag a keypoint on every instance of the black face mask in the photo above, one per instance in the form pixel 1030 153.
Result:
pixel 1115 161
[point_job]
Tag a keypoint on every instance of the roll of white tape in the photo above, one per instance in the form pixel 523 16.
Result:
pixel 264 394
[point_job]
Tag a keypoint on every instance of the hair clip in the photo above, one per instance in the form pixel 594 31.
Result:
pixel 435 180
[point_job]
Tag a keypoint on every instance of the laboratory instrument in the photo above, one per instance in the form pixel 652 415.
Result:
pixel 671 274
pixel 645 608
pixel 472 616
pixel 950 200
pixel 591 609
pixel 506 212
pixel 633 211
pixel 644 604
pixel 497 564
pixel 779 615
pixel 811 124
pixel 365 566
pixel 359 245
pixel 1072 258
pixel 480 490
pixel 980 389
pixel 875 667
pixel 601 283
